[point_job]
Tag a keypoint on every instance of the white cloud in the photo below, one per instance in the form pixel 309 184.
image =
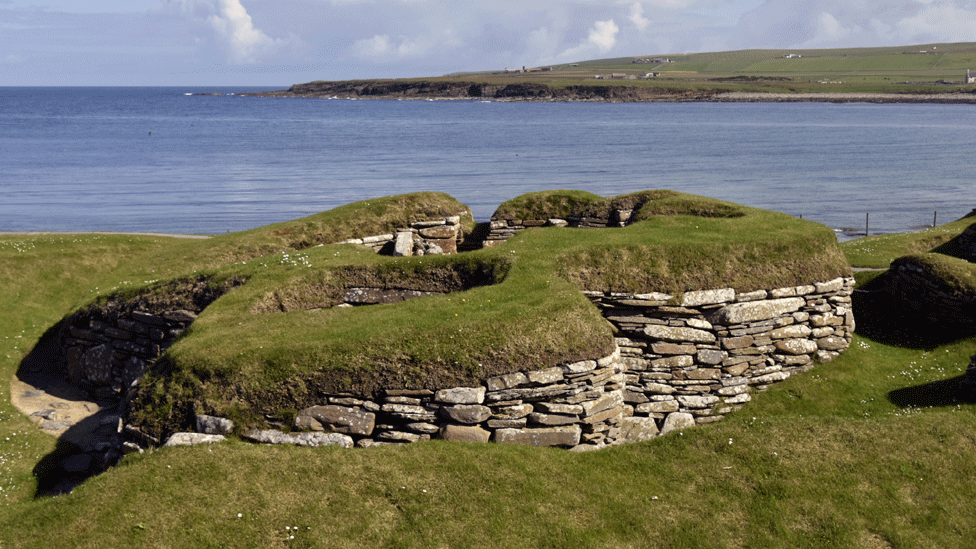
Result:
pixel 602 38
pixel 376 46
pixel 246 44
pixel 243 43
pixel 671 4
pixel 829 28
pixel 637 16
pixel 381 46
pixel 604 35
pixel 939 21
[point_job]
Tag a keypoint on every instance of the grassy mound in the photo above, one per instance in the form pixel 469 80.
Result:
pixel 870 450
pixel 937 305
pixel 563 204
pixel 544 205
pixel 369 217
pixel 276 344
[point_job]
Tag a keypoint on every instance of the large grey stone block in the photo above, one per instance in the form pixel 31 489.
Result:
pixel 553 436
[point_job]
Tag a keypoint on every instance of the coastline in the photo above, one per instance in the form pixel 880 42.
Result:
pixel 841 97
pixel 528 91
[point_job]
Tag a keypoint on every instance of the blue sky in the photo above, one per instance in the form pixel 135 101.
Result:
pixel 281 42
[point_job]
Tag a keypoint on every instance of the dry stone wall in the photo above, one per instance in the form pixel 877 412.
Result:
pixel 108 356
pixel 694 358
pixel 680 361
pixel 432 237
pixel 578 406
pixel 500 230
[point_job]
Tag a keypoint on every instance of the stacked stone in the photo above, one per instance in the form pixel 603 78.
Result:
pixel 376 296
pixel 501 229
pixel 700 358
pixel 680 362
pixel 432 237
pixel 108 357
pixel 578 406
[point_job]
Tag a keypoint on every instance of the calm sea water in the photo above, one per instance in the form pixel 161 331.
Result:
pixel 157 159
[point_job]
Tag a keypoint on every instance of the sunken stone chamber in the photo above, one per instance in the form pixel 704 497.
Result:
pixel 680 361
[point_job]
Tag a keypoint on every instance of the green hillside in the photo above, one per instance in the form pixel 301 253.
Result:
pixel 922 68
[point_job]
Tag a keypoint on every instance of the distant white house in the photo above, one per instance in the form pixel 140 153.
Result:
pixel 970 77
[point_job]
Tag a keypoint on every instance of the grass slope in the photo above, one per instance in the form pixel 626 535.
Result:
pixel 871 450
pixel 899 69
pixel 868 451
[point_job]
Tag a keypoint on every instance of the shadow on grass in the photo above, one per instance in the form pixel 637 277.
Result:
pixel 942 393
pixel 88 442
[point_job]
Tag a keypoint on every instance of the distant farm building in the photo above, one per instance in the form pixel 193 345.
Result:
pixel 650 61
pixel 792 56
pixel 970 77
pixel 616 76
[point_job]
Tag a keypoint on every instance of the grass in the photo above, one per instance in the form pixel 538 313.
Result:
pixel 879 251
pixel 871 450
pixel 855 453
pixel 850 70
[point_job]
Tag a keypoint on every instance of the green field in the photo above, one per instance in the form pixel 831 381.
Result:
pixel 872 450
pixel 865 70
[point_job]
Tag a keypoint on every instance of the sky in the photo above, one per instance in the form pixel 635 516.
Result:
pixel 276 43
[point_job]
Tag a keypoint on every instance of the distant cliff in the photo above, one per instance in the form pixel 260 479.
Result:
pixel 612 92
pixel 527 91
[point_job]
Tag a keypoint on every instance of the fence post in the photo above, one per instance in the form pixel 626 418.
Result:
pixel 935 219
pixel 867 224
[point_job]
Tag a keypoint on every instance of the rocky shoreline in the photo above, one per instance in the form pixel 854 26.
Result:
pixel 528 91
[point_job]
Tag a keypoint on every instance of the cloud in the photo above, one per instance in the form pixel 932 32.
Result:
pixel 243 43
pixel 377 46
pixel 382 47
pixel 637 16
pixel 829 28
pixel 604 35
pixel 829 23
pixel 938 21
pixel 602 38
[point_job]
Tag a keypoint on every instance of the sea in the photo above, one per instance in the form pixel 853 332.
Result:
pixel 171 160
